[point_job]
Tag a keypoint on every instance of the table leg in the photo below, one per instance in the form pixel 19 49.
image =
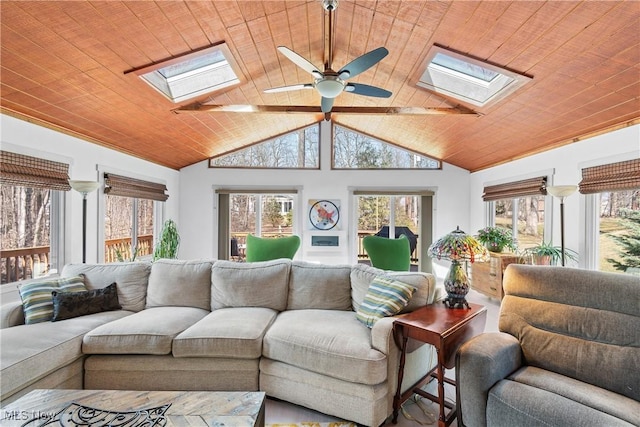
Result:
pixel 440 376
pixel 397 400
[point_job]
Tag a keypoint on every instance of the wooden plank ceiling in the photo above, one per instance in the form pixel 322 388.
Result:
pixel 63 65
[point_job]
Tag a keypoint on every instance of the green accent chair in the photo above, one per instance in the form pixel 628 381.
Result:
pixel 266 249
pixel 388 254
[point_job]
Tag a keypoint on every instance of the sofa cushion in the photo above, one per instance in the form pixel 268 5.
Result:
pixel 251 284
pixel 37 298
pixel 560 402
pixel 227 332
pixel 385 297
pixel 319 286
pixel 180 283
pixel 149 331
pixel 362 275
pixel 131 279
pixel 67 305
pixel 329 342
pixel 31 352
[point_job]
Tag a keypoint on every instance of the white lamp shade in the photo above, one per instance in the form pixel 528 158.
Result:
pixel 84 186
pixel 562 190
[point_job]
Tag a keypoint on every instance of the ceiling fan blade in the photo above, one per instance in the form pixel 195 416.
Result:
pixel 362 63
pixel 300 61
pixel 288 88
pixel 326 105
pixel 366 90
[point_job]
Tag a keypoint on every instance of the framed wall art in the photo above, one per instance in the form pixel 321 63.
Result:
pixel 324 214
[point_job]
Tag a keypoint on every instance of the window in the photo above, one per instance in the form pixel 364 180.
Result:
pixel 613 192
pixel 467 79
pixel 263 213
pixel 393 213
pixel 295 150
pixel 192 75
pixel 30 228
pixel 519 206
pixel 129 217
pixel 354 150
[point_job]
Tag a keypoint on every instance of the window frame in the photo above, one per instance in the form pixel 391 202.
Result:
pixel 589 239
pixel 222 205
pixel 158 210
pixel 59 240
pixel 490 207
pixel 426 196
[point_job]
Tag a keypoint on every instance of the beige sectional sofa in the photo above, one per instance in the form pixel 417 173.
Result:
pixel 288 328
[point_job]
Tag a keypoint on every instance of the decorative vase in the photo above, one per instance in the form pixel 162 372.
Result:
pixel 457 286
pixel 494 247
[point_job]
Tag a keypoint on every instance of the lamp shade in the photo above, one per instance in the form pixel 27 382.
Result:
pixel 84 186
pixel 459 246
pixel 561 190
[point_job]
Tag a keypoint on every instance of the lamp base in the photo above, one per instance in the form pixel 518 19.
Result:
pixel 457 286
pixel 456 302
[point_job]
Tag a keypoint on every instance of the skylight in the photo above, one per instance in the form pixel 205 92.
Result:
pixel 192 75
pixel 467 79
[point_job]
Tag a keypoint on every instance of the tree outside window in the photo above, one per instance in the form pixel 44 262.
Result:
pixel 25 232
pixel 619 239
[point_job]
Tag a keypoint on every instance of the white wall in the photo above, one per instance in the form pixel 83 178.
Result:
pixel 565 164
pixel 198 214
pixel 85 159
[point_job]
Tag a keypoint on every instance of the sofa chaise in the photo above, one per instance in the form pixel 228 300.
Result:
pixel 287 328
pixel 568 353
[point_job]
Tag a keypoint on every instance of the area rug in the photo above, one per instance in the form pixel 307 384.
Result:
pixel 314 424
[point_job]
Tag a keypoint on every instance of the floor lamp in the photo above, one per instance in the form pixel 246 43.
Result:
pixel 84 188
pixel 561 192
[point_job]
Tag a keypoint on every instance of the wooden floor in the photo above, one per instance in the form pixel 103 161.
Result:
pixel 283 412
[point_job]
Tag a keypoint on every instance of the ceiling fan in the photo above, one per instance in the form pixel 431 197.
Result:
pixel 329 83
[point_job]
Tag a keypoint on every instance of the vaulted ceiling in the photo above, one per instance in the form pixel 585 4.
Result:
pixel 64 63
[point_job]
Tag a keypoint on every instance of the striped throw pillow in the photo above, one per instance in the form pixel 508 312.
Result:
pixel 385 297
pixel 37 301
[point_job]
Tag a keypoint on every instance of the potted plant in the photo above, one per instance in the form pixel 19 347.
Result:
pixel 547 254
pixel 496 239
pixel 167 246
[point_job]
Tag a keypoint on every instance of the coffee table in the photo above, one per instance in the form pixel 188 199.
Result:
pixel 54 408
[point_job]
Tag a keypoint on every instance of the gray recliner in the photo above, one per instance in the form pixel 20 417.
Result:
pixel 568 353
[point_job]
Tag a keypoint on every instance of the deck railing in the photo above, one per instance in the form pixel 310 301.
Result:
pixel 362 254
pixel 121 249
pixel 25 263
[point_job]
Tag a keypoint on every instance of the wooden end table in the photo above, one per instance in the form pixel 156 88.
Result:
pixel 446 329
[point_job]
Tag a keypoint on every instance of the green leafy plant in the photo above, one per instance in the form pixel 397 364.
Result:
pixel 121 255
pixel 497 238
pixel 547 254
pixel 167 246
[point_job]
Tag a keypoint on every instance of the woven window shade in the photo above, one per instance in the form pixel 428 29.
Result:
pixel 612 177
pixel 116 185
pixel 510 190
pixel 27 171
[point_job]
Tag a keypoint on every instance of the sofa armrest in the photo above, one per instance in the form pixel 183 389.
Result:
pixel 11 314
pixel 382 334
pixel 480 363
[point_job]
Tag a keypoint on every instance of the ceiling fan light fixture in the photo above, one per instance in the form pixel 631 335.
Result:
pixel 329 87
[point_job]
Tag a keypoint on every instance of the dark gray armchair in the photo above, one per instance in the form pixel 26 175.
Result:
pixel 567 355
